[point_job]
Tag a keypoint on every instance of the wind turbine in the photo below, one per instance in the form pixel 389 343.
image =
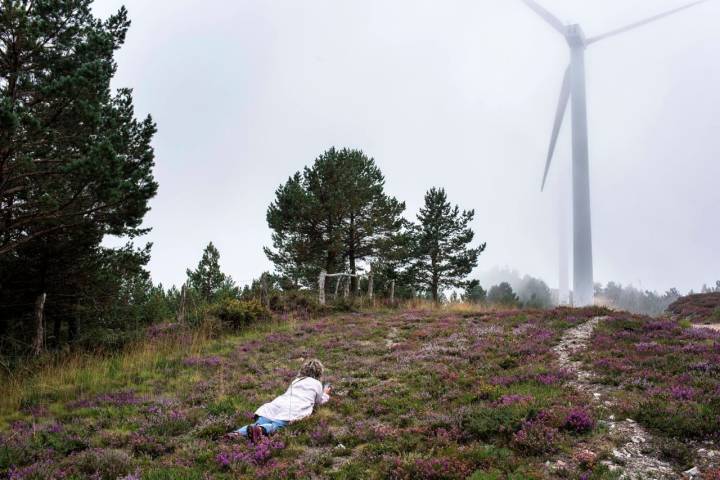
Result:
pixel 573 87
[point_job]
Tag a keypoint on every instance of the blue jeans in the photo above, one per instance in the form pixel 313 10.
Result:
pixel 270 426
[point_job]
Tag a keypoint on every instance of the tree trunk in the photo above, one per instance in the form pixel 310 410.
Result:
pixel 39 341
pixel 434 282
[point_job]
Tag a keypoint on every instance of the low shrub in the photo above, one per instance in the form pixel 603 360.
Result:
pixel 235 314
pixel 536 437
pixel 678 419
pixel 429 469
pixel 302 303
pixel 485 423
pixel 579 420
pixel 104 464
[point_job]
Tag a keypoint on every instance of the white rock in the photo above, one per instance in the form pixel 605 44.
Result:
pixel 693 472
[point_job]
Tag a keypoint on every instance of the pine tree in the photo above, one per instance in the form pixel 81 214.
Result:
pixel 443 257
pixel 208 280
pixel 75 165
pixel 332 216
pixel 71 152
pixel 474 292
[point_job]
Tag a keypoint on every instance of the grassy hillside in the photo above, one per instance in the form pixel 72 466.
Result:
pixel 427 394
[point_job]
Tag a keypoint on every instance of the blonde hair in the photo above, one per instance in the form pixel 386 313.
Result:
pixel 312 368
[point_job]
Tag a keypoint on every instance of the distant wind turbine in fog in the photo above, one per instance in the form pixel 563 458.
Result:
pixel 574 87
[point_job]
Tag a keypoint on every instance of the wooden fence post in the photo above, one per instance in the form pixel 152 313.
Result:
pixel 39 340
pixel 182 312
pixel 346 289
pixel 392 292
pixel 337 285
pixel 321 287
pixel 370 286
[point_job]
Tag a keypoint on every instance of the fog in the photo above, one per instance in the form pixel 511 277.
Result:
pixel 459 94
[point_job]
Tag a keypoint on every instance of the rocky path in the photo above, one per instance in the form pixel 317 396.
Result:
pixel 635 454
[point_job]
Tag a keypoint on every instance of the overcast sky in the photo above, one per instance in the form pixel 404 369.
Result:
pixel 455 93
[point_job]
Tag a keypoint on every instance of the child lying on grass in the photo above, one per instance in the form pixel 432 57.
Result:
pixel 296 403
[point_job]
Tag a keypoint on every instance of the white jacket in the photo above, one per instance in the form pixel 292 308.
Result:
pixel 297 402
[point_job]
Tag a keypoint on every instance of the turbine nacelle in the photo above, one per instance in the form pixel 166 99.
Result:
pixel 575 36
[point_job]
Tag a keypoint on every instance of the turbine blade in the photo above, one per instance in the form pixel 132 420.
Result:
pixel 635 25
pixel 546 15
pixel 559 116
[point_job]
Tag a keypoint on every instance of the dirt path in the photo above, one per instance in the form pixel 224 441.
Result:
pixel 635 453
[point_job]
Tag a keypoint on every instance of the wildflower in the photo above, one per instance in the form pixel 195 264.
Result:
pixel 579 420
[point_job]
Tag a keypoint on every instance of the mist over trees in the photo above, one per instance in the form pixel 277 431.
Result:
pixel 531 292
pixel 633 300
pixel 503 294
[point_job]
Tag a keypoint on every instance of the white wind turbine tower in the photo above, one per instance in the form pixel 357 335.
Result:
pixel 574 87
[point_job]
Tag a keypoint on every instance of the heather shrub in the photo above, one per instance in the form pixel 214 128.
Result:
pixel 297 302
pixel 321 435
pixel 42 470
pixel 239 457
pixel 484 423
pixel 168 422
pixel 149 445
pixel 236 314
pixel 173 474
pixel 713 474
pixel 536 437
pixel 429 469
pixel 104 464
pixel 491 475
pixel 579 420
pixel 679 419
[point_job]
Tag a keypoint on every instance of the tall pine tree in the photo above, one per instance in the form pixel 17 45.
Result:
pixel 75 165
pixel 71 151
pixel 332 216
pixel 443 256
